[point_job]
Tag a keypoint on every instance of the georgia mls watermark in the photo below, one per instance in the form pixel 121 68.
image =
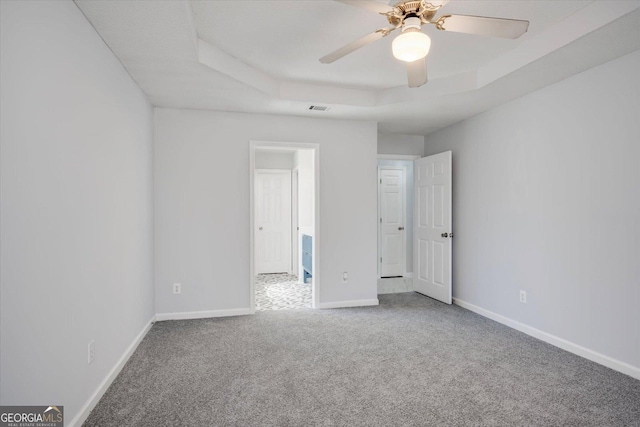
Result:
pixel 31 416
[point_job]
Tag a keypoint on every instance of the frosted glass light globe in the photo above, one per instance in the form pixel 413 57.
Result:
pixel 411 46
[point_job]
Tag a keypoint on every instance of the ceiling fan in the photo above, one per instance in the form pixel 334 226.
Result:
pixel 412 45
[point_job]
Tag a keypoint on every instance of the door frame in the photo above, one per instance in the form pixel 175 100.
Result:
pixel 295 220
pixel 315 149
pixel 404 216
pixel 410 157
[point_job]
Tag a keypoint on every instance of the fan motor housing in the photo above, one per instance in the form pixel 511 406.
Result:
pixel 411 22
pixel 424 10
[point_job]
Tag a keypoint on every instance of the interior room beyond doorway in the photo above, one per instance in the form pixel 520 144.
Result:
pixel 395 224
pixel 283 227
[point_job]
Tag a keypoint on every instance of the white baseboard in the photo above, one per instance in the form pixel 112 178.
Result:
pixel 353 303
pixel 102 388
pixel 408 275
pixel 594 356
pixel 203 314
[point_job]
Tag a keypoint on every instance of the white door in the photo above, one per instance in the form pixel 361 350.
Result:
pixel 273 221
pixel 392 222
pixel 432 227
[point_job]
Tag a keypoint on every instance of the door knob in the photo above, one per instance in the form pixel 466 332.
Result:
pixel 444 235
pixel 400 228
pixel 260 228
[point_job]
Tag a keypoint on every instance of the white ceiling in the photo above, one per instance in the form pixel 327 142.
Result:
pixel 262 56
pixel 292 35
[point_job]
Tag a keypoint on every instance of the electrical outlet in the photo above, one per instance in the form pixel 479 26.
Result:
pixel 523 297
pixel 91 352
pixel 177 288
pixel 345 277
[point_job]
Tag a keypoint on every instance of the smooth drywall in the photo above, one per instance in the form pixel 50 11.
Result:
pixel 393 143
pixel 546 198
pixel 304 164
pixel 202 205
pixel 306 186
pixel 76 206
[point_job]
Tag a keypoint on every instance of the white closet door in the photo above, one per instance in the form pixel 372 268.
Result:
pixel 392 222
pixel 273 221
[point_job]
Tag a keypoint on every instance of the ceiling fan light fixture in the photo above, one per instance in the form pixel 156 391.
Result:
pixel 411 45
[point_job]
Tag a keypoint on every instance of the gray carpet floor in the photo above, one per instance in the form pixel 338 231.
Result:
pixel 409 362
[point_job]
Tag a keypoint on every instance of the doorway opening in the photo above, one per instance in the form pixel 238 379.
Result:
pixel 395 223
pixel 283 226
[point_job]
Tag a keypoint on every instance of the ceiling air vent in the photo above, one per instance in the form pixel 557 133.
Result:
pixel 318 108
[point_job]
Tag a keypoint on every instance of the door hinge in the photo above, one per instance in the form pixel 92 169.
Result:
pixel 380 220
pixel 380 259
pixel 380 180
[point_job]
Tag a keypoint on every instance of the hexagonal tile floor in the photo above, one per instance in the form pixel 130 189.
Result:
pixel 281 291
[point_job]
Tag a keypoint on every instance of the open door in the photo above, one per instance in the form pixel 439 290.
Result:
pixel 432 227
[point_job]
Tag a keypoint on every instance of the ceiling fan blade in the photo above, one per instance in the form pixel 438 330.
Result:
pixel 372 6
pixel 354 45
pixel 417 72
pixel 496 27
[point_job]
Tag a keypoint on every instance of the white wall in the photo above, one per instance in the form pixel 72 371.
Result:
pixel 202 205
pixel 274 160
pixel 303 160
pixel 76 214
pixel 400 144
pixel 547 199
